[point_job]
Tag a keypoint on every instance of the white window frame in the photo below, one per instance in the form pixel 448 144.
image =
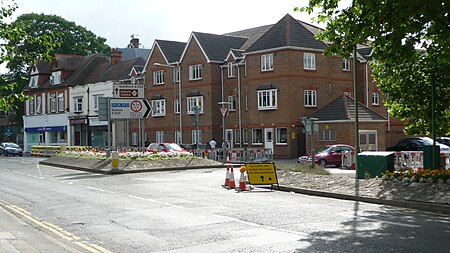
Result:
pixel 237 136
pixel 177 137
pixel 232 103
pixel 61 104
pixel 254 136
pixel 52 103
pixel 327 135
pixel 267 99
pixel 195 72
pixel 245 136
pixel 96 97
pixel 176 106
pixel 78 104
pixel 158 77
pixel 280 141
pixel 375 98
pixel 266 62
pixel 194 101
pixel 33 81
pixel 160 136
pixel 194 136
pixel 159 108
pixel 309 61
pixel 310 98
pixel 31 106
pixel 39 104
pixel 176 75
pixel 230 69
pixel 55 78
pixel 346 64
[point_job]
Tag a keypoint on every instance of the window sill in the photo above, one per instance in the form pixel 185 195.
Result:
pixel 267 108
pixel 310 106
pixel 311 70
pixel 281 144
pixel 257 144
pixel 158 115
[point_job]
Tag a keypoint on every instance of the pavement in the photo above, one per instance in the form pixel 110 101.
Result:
pixel 19 232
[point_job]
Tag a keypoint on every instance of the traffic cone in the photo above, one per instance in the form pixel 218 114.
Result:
pixel 242 182
pixel 232 183
pixel 227 178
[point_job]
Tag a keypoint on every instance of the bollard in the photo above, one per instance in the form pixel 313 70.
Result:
pixel 115 159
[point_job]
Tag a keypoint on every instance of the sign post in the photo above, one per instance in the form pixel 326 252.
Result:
pixel 129 108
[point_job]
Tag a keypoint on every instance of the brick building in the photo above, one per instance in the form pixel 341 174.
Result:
pixel 267 77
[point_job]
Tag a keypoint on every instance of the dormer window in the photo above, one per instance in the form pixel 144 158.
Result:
pixel 33 81
pixel 56 77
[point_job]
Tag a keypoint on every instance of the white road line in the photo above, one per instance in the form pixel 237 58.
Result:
pixel 156 201
pixel 39 170
pixel 98 189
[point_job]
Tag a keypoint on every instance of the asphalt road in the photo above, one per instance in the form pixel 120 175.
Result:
pixel 188 211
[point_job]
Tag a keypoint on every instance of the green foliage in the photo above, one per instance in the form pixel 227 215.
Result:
pixel 33 37
pixel 411 49
pixel 11 84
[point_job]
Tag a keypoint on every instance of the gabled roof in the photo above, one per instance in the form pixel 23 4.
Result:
pixel 215 47
pixel 171 50
pixel 252 34
pixel 114 72
pixel 42 67
pixel 365 52
pixel 288 32
pixel 343 109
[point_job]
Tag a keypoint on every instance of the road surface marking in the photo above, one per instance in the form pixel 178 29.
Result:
pixel 156 201
pixel 92 248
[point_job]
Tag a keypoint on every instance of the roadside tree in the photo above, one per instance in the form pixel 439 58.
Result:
pixel 411 49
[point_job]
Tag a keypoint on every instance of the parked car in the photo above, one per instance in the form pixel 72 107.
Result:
pixel 328 155
pixel 444 140
pixel 9 148
pixel 416 144
pixel 166 147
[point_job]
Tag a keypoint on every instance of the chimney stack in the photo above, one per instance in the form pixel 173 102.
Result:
pixel 134 42
pixel 116 55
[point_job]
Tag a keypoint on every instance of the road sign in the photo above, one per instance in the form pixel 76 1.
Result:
pixel 129 108
pixel 261 173
pixel 128 90
pixel 224 111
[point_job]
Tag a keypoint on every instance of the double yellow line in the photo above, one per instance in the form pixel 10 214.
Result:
pixel 93 248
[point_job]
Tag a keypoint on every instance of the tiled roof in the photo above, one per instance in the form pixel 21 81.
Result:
pixel 365 52
pixel 343 108
pixel 67 61
pixel 288 32
pixel 85 68
pixel 171 49
pixel 114 72
pixel 252 35
pixel 216 47
pixel 130 53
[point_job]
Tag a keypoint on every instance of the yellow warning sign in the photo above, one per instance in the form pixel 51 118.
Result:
pixel 261 173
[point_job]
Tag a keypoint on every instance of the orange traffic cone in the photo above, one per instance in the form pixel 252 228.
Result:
pixel 232 183
pixel 227 177
pixel 242 184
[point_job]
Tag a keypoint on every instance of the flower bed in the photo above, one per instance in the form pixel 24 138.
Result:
pixel 419 175
pixel 130 155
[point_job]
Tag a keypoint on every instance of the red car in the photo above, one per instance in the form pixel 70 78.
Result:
pixel 329 155
pixel 166 147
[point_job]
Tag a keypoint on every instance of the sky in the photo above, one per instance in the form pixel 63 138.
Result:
pixel 167 19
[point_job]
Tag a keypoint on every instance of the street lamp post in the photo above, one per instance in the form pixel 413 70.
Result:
pixel 224 111
pixel 311 128
pixel 196 110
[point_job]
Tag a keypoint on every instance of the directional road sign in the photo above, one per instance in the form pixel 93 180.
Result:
pixel 261 173
pixel 129 108
pixel 128 90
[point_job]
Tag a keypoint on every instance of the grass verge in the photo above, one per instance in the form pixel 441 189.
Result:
pixel 304 168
